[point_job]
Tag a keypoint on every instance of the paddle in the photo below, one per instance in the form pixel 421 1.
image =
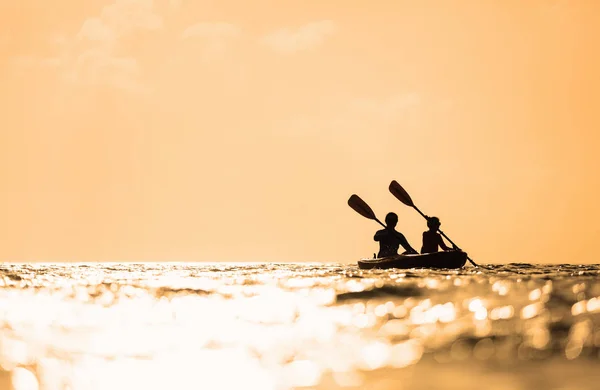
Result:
pixel 361 207
pixel 401 194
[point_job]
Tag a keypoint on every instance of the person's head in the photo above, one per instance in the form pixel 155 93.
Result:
pixel 433 223
pixel 391 219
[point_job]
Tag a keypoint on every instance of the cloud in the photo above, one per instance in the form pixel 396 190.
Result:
pixel 119 19
pixel 94 29
pixel 214 38
pixel 290 41
pixel 32 62
pixel 96 67
pixel 357 117
pixel 112 46
pixel 211 30
pixel 127 16
pixel 97 60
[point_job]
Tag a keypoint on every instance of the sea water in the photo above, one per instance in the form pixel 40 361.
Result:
pixel 287 326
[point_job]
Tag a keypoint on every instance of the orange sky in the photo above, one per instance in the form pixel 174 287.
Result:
pixel 236 130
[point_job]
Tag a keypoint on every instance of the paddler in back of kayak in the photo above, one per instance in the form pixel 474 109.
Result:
pixel 432 240
pixel 389 239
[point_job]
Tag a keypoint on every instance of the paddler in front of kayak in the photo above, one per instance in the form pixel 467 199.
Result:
pixel 389 239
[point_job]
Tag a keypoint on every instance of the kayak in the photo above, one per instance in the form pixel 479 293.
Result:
pixel 449 259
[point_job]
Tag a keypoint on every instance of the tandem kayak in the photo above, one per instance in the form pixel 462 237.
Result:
pixel 450 259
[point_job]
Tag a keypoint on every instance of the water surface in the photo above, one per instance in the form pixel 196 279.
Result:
pixel 285 326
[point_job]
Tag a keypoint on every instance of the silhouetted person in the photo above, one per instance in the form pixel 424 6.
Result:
pixel 431 238
pixel 389 239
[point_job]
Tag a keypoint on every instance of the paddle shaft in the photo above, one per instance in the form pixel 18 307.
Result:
pixel 362 208
pixel 379 222
pixel 444 235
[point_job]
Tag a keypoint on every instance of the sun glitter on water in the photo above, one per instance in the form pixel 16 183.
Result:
pixel 270 326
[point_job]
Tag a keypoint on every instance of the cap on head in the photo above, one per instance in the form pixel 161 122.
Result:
pixel 433 222
pixel 391 219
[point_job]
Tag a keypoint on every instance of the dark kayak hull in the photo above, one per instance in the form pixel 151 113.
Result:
pixel 450 259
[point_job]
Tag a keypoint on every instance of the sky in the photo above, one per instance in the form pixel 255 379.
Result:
pixel 180 130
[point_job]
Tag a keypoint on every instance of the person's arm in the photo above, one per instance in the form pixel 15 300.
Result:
pixel 405 244
pixel 442 243
pixel 379 235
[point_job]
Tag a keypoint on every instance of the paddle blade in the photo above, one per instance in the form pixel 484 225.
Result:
pixel 361 207
pixel 399 192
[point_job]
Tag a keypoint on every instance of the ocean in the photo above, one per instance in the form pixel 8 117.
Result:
pixel 298 326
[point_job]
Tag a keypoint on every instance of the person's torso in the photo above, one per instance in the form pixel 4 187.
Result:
pixel 389 241
pixel 430 242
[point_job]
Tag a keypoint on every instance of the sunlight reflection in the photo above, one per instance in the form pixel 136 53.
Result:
pixel 579 308
pixel 501 287
pixel 158 326
pixel 375 355
pixel 23 379
pixel 540 337
pixel 535 294
pixel 502 313
pixel 531 310
pixel 302 373
pixel 593 305
pixel 479 311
